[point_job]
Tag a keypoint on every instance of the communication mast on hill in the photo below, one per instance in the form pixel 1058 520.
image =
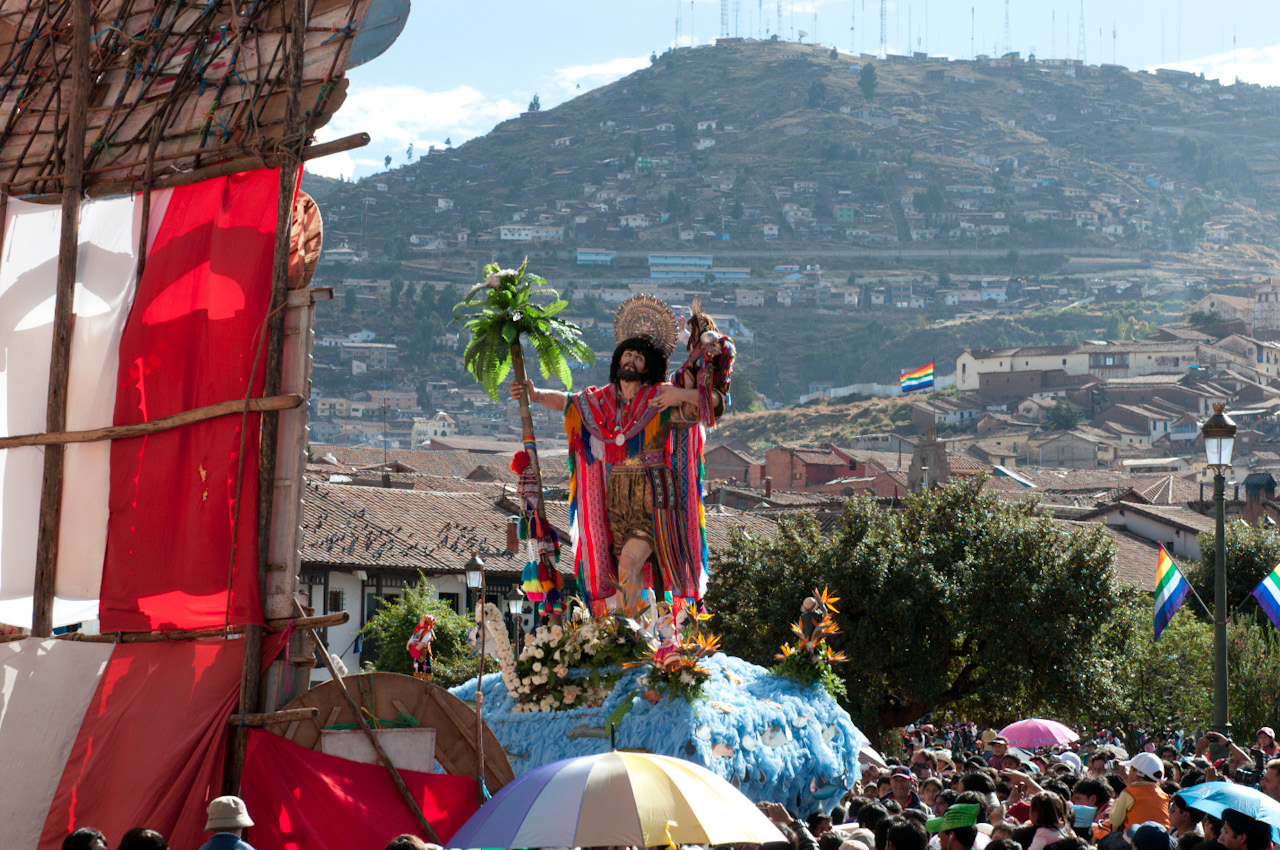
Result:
pixel 778 32
pixel 1080 48
pixel 973 54
pixel 884 28
pixel 724 18
pixel 678 13
pixel 853 26
pixel 1113 41
pixel 1008 46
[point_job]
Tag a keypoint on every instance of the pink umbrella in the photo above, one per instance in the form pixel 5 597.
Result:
pixel 1038 733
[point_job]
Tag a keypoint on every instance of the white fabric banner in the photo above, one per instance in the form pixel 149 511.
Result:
pixel 45 688
pixel 105 286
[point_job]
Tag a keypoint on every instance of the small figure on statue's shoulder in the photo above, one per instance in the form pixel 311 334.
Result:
pixel 811 614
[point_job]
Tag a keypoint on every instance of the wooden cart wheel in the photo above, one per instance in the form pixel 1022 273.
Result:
pixel 392 694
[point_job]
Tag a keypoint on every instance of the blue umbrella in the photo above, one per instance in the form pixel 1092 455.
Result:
pixel 1213 798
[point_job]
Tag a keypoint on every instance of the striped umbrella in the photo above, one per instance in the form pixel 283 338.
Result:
pixel 616 799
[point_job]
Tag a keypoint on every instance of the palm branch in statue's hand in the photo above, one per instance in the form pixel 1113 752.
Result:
pixel 499 310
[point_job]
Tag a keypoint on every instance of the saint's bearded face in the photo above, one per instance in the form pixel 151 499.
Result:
pixel 631 366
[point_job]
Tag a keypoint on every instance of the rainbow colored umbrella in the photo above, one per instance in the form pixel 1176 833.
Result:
pixel 616 799
pixel 1038 733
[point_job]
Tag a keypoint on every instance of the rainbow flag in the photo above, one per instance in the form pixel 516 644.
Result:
pixel 1268 595
pixel 917 379
pixel 1171 590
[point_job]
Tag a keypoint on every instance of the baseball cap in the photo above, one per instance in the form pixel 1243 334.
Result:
pixel 227 812
pixel 1147 764
pixel 1268 731
pixel 960 814
pixel 899 770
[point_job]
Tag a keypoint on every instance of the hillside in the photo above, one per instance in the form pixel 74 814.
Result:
pixel 855 232
pixel 721 140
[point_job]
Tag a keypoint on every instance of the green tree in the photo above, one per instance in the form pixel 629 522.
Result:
pixel 959 598
pixel 349 301
pixel 1204 319
pixel 1251 553
pixel 535 105
pixel 867 81
pixel 1013 256
pixel 453 661
pixel 817 94
pixel 387 161
pixel 930 201
pixel 1064 415
pixel 834 54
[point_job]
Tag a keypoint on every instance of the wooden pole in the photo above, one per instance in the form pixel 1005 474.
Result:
pixel 63 324
pixel 287 715
pixel 139 429
pixel 396 778
pixel 480 694
pixel 531 445
pixel 294 139
pixel 319 621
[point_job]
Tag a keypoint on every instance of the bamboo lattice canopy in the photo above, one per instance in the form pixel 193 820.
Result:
pixel 177 85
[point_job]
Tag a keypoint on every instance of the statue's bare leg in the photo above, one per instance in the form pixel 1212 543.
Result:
pixel 631 574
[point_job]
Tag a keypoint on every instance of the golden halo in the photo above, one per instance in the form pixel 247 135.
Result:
pixel 649 317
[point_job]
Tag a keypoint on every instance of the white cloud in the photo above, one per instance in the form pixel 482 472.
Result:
pixel 569 80
pixel 1252 64
pixel 397 116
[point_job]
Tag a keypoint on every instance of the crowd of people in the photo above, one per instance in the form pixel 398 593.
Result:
pixel 987 795
pixel 990 797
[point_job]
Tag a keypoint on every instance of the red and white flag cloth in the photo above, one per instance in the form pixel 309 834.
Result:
pixel 157 532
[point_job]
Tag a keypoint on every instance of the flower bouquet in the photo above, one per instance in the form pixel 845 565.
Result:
pixel 810 657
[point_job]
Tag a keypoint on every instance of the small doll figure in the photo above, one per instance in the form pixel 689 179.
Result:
pixel 811 614
pixel 419 646
pixel 708 366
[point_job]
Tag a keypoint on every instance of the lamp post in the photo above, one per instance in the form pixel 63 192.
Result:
pixel 475 581
pixel 1219 437
pixel 515 607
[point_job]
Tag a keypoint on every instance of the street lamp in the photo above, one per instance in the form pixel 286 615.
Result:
pixel 475 580
pixel 515 607
pixel 1219 437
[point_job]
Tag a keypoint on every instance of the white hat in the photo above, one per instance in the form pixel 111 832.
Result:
pixel 227 813
pixel 1069 758
pixel 1147 764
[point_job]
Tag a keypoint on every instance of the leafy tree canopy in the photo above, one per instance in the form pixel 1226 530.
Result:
pixel 867 81
pixel 1063 415
pixel 960 598
pixel 453 661
pixel 1251 553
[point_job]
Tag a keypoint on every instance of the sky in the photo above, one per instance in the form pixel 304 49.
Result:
pixel 462 66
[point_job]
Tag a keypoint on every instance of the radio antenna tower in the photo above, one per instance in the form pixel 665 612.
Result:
pixel 778 33
pixel 1053 30
pixel 1008 45
pixel 724 18
pixel 1080 48
pixel 972 28
pixel 884 28
pixel 678 14
pixel 853 30
pixel 1113 41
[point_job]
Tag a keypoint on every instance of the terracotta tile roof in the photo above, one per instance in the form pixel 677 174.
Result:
pixel 886 461
pixel 962 464
pixel 817 457
pixel 356 527
pixel 457 464
pixel 1135 558
pixel 1170 490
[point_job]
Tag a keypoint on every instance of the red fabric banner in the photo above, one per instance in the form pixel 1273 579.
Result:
pixel 302 799
pixel 152 746
pixel 183 501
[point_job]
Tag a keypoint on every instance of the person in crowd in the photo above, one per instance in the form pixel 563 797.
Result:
pixel 902 789
pixel 1002 830
pixel 957 829
pixel 85 838
pixel 1049 817
pixel 1237 758
pixel 905 834
pixel 1267 742
pixel 839 815
pixel 1184 820
pixel 1269 782
pixel 791 826
pixel 929 790
pixel 871 814
pixel 1241 832
pixel 1142 799
pixel 1098 764
pixel 999 748
pixel 944 801
pixel 407 842
pixel 141 838
pixel 228 819
pixel 1150 836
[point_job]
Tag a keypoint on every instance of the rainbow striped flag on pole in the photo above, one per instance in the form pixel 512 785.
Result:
pixel 1268 595
pixel 1171 590
pixel 917 379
